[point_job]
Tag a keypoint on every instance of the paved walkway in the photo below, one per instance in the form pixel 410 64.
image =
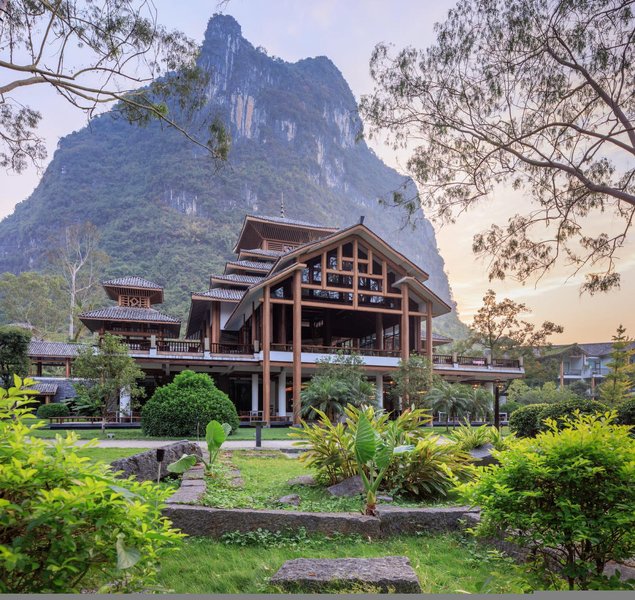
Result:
pixel 228 445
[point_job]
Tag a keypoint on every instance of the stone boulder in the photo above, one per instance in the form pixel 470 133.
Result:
pixel 390 574
pixel 144 466
pixel 482 455
pixel 307 480
pixel 291 499
pixel 352 486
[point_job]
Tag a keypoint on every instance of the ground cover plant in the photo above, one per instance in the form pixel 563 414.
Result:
pixel 68 524
pixel 215 436
pixel 567 496
pixel 243 563
pixel 107 455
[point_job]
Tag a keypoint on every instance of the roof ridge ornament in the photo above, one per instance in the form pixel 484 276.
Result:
pixel 282 205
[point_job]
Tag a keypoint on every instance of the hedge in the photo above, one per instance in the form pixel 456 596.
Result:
pixel 55 409
pixel 626 412
pixel 525 421
pixel 561 410
pixel 185 406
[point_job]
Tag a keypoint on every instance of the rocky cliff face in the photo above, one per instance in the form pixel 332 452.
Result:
pixel 166 214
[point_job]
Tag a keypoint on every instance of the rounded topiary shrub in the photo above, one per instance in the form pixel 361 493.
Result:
pixel 55 409
pixel 192 400
pixel 525 421
pixel 626 412
pixel 560 410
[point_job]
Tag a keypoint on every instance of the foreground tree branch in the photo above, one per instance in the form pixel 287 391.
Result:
pixel 97 53
pixel 532 95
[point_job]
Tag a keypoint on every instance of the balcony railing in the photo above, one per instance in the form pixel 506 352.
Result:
pixel 573 372
pixel 189 346
pixel 335 350
pixel 231 348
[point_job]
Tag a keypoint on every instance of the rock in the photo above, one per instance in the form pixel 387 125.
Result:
pixel 390 574
pixel 144 465
pixel 381 498
pixel 302 480
pixel 349 487
pixel 398 520
pixel 292 499
pixel 482 456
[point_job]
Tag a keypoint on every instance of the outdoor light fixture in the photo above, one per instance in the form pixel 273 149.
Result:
pixel 160 455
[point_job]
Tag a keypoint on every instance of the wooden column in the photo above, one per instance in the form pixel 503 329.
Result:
pixel 417 329
pixel 39 369
pixel 429 331
pixel 282 330
pixel 404 333
pixel 266 364
pixel 328 336
pixel 67 364
pixel 215 325
pixel 297 345
pixel 379 331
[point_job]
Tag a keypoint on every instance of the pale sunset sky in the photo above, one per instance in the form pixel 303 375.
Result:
pixel 346 31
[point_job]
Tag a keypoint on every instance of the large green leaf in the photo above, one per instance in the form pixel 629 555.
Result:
pixel 126 557
pixel 365 440
pixel 186 462
pixel 215 435
pixel 383 455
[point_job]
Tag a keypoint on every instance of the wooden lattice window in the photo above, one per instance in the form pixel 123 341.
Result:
pixel 134 301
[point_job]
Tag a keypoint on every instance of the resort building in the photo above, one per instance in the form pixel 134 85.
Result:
pixel 295 293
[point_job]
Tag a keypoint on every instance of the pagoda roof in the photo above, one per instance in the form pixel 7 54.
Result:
pixel 260 252
pixel 246 280
pixel 249 265
pixel 226 294
pixel 53 349
pixel 132 283
pixel 128 314
pixel 45 389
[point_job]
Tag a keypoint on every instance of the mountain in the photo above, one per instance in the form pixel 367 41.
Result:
pixel 164 212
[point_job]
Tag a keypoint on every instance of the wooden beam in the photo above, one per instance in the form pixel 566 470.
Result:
pixel 379 331
pixel 428 331
pixel 297 345
pixel 404 333
pixel 266 365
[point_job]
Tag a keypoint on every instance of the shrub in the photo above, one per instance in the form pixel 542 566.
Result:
pixel 626 412
pixel 430 471
pixel 566 495
pixel 185 406
pixel 510 406
pixel 55 409
pixel 330 446
pixel 68 525
pixel 563 410
pixel 467 437
pixel 525 421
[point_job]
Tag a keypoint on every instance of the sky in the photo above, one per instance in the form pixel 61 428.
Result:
pixel 346 31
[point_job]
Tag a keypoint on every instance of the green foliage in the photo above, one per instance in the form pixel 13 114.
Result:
pixel 330 446
pixel 566 495
pixel 215 436
pixel 619 381
pixel 339 381
pixel 184 407
pixel 54 409
pixel 548 393
pixel 105 372
pixel 66 524
pixel 561 411
pixel 453 399
pixel 626 412
pixel 14 353
pixel 481 403
pixel 525 421
pixel 430 471
pixel 510 406
pixel 413 379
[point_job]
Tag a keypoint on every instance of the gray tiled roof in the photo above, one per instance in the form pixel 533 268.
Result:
pixel 57 349
pixel 127 313
pixel 133 281
pixel 45 388
pixel 285 221
pixel 238 278
pixel 263 252
pixel 599 348
pixel 222 294
pixel 256 265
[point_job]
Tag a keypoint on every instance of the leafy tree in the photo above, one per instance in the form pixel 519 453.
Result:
pixel 413 378
pixel 537 95
pixel 338 382
pixel 481 402
pixel 580 388
pixel 567 496
pixel 549 393
pixel 498 328
pixel 619 381
pixel 81 264
pixel 36 299
pixel 117 47
pixel 69 525
pixel 106 371
pixel 450 398
pixel 14 353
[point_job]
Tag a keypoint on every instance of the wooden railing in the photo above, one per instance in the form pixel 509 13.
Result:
pixel 335 350
pixel 506 363
pixel 189 346
pixel 442 359
pixel 231 349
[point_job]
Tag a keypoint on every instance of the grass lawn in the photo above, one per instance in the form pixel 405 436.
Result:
pixel 265 477
pixel 244 563
pixel 107 455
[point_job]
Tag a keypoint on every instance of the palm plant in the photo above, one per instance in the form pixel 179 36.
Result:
pixel 331 395
pixel 481 402
pixel 450 398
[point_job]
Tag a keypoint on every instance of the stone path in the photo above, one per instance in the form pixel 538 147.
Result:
pixel 228 445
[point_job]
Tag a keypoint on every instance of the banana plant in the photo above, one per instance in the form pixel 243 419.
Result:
pixel 373 455
pixel 215 436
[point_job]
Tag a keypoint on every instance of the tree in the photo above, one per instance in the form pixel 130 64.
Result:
pixel 106 371
pixel 35 299
pixel 338 382
pixel 549 393
pixel 450 398
pixel 537 95
pixel 112 52
pixel 619 382
pixel 81 263
pixel 413 379
pixel 499 330
pixel 481 402
pixel 14 353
